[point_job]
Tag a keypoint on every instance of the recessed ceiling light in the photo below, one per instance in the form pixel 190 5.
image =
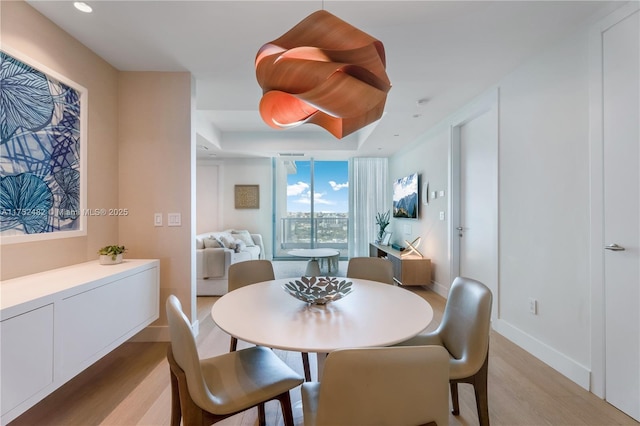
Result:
pixel 82 7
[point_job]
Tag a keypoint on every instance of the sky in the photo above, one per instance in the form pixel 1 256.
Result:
pixel 407 185
pixel 331 184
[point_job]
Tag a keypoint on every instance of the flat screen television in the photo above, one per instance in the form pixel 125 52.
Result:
pixel 405 197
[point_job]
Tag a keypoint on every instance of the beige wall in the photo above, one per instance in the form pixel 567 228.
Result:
pixel 26 31
pixel 139 157
pixel 155 158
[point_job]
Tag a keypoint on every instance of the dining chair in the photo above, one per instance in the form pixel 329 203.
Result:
pixel 250 272
pixel 464 332
pixel 382 386
pixel 205 391
pixel 371 268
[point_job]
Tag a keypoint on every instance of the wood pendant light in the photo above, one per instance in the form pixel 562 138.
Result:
pixel 325 72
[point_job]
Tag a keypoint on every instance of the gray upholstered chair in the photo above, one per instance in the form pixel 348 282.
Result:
pixel 205 391
pixel 464 332
pixel 251 272
pixel 382 386
pixel 371 268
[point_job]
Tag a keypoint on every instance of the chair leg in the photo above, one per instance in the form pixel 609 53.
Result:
pixel 285 405
pixel 262 419
pixel 176 413
pixel 233 345
pixel 305 366
pixel 480 389
pixel 454 398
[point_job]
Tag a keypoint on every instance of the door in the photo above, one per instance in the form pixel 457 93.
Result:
pixel 621 234
pixel 475 196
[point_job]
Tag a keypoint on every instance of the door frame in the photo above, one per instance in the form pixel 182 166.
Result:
pixel 596 208
pixel 489 102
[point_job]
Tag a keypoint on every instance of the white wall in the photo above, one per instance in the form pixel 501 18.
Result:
pixel 208 182
pixel 249 171
pixel 430 158
pixel 544 193
pixel 543 199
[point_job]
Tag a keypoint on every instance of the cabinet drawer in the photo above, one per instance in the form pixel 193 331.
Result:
pixel 27 356
pixel 93 322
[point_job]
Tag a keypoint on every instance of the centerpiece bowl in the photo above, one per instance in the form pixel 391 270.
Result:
pixel 318 290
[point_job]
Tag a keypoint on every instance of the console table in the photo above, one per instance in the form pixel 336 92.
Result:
pixel 54 324
pixel 408 269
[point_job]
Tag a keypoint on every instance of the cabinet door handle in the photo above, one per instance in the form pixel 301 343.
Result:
pixel 614 247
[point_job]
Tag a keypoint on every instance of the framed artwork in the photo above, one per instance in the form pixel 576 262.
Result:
pixel 43 136
pixel 247 196
pixel 386 239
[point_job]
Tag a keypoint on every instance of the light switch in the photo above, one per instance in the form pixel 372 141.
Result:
pixel 407 229
pixel 174 219
pixel 441 215
pixel 441 194
pixel 157 219
pixel 434 195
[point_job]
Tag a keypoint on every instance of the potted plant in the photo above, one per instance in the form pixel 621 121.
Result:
pixel 110 255
pixel 382 220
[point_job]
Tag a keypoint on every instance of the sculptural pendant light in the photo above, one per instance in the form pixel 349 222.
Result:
pixel 325 72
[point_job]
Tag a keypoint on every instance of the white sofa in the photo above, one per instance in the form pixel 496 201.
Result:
pixel 216 250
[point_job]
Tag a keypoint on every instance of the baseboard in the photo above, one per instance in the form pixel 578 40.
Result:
pixel 153 333
pixel 558 361
pixel 439 289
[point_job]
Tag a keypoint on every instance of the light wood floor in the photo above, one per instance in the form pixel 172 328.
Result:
pixel 130 386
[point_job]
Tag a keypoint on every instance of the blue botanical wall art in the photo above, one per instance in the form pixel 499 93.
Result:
pixel 42 152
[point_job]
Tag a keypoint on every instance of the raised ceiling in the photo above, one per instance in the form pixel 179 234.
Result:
pixel 443 52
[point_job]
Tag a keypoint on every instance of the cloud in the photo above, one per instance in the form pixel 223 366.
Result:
pixel 297 189
pixel 338 186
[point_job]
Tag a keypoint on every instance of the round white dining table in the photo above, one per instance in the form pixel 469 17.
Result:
pixel 373 314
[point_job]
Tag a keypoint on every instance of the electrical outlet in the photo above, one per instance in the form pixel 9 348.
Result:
pixel 533 306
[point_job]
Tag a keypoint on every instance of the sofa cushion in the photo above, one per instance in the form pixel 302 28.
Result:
pixel 199 243
pixel 245 236
pixel 253 251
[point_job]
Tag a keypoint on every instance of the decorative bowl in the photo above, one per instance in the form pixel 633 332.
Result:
pixel 318 290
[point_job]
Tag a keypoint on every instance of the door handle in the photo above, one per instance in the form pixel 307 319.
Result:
pixel 459 228
pixel 614 247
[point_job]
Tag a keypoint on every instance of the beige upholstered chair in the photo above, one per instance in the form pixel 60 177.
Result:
pixel 205 391
pixel 371 268
pixel 464 332
pixel 382 386
pixel 251 272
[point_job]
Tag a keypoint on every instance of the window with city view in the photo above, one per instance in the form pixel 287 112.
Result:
pixel 312 205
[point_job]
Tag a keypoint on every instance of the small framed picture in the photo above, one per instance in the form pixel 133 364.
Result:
pixel 386 239
pixel 247 196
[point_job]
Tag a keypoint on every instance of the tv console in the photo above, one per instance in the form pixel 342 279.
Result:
pixel 407 269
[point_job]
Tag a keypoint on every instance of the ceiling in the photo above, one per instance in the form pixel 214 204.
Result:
pixel 442 52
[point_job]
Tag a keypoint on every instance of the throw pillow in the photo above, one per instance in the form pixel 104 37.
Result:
pixel 211 243
pixel 228 241
pixel 245 236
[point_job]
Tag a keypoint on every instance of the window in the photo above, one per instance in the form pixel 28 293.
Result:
pixel 311 205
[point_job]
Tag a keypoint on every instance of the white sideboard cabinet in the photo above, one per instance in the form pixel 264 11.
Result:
pixel 55 324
